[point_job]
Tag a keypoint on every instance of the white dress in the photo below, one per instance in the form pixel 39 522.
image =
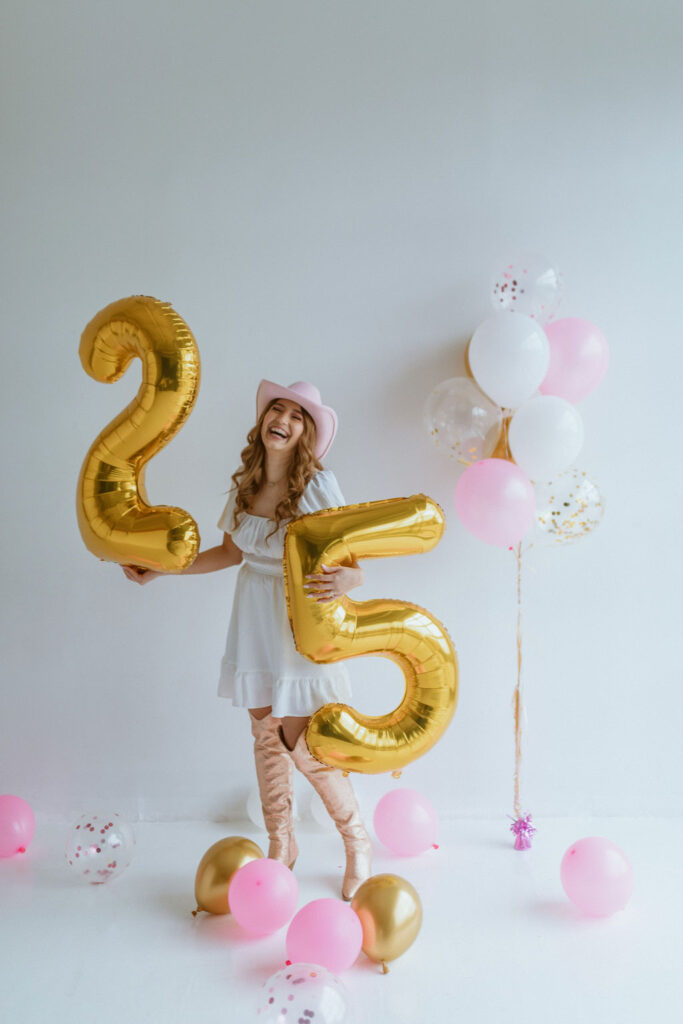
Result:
pixel 261 666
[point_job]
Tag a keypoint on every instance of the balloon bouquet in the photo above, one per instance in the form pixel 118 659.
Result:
pixel 516 429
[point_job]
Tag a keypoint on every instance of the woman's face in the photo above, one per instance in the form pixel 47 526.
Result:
pixel 283 425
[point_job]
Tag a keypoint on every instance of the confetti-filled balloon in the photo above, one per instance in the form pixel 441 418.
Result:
pixel 529 283
pixel 99 847
pixel 568 508
pixel 462 422
pixel 303 994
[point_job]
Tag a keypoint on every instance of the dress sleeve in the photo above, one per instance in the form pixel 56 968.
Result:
pixel 225 521
pixel 322 492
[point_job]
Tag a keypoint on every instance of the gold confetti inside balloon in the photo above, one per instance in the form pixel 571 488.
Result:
pixel 461 421
pixel 405 633
pixel 390 913
pixel 116 521
pixel 568 508
pixel 215 871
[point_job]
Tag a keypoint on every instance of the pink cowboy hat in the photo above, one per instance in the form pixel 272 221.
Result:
pixel 308 397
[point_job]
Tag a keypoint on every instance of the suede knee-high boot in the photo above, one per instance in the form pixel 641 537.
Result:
pixel 274 774
pixel 336 792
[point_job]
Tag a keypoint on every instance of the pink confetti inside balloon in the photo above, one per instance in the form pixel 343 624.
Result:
pixel 326 932
pixel 99 847
pixel 597 876
pixel 17 825
pixel 263 896
pixel 406 822
pixel 303 994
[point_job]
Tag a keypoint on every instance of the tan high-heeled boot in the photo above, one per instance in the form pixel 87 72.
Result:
pixel 336 792
pixel 274 774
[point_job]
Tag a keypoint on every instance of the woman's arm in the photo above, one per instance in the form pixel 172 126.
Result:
pixel 221 557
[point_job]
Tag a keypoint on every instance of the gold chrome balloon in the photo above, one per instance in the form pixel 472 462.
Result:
pixel 407 634
pixel 215 871
pixel 390 913
pixel 115 518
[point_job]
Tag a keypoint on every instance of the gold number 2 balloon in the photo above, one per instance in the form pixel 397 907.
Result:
pixel 115 518
pixel 407 634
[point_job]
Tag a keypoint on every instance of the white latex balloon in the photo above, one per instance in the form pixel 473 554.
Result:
pixel 545 436
pixel 509 357
pixel 304 992
pixel 255 811
pixel 529 284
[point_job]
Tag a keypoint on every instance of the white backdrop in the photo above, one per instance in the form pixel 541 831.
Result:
pixel 322 190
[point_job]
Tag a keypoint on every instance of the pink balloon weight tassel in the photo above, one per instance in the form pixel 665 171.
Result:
pixel 17 825
pixel 597 876
pixel 523 830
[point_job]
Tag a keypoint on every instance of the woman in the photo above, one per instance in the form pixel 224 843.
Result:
pixel 281 477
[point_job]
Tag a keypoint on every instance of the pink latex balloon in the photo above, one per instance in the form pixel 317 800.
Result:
pixel 406 822
pixel 326 932
pixel 263 896
pixel 17 825
pixel 597 876
pixel 578 359
pixel 494 500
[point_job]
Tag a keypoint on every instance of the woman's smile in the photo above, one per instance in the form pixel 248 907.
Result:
pixel 283 425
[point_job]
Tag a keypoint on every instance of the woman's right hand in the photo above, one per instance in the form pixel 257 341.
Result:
pixel 137 574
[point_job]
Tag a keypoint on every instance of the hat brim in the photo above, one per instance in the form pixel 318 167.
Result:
pixel 323 416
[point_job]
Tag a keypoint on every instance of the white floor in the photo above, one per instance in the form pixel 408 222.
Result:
pixel 500 942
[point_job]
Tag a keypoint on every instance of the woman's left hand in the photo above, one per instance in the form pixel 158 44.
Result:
pixel 335 581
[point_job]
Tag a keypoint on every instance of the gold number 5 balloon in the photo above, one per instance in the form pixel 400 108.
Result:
pixel 115 518
pixel 407 634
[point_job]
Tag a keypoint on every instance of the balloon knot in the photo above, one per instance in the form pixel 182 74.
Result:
pixel 435 846
pixel 22 849
pixel 385 969
pixel 288 963
pixel 396 775
pixel 195 912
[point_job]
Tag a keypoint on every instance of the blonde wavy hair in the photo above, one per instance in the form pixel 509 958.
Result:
pixel 249 477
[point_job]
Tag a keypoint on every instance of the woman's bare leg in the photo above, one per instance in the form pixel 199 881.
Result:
pixel 292 729
pixel 259 713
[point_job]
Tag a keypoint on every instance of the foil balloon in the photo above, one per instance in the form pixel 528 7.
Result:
pixel 216 869
pixel 409 635
pixel 390 913
pixel 116 521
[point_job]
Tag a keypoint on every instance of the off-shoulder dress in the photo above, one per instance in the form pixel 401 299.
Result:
pixel 261 666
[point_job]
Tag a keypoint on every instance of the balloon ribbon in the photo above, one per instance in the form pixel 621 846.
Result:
pixel 522 828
